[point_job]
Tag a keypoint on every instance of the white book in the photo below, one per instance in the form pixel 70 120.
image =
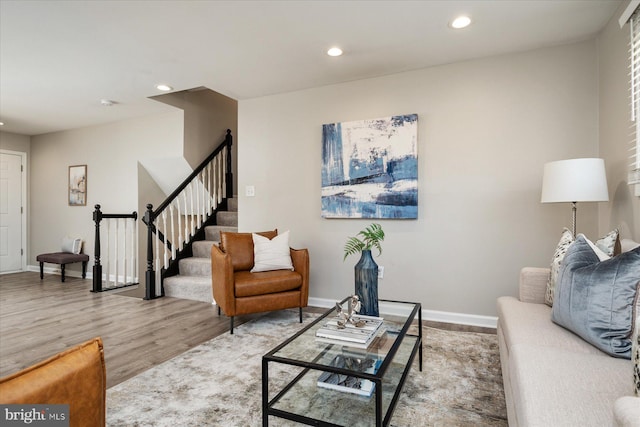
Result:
pixel 350 332
pixel 350 384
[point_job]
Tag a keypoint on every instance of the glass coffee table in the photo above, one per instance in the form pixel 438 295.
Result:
pixel 291 372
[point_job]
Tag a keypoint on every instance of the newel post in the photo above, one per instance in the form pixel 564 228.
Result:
pixel 97 267
pixel 229 172
pixel 150 274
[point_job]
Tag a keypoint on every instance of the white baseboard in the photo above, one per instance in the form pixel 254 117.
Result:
pixel 433 315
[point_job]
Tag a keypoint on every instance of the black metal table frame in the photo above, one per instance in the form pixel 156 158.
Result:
pixel 267 405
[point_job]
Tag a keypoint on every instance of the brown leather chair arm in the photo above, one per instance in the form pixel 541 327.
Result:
pixel 300 259
pixel 76 377
pixel 222 281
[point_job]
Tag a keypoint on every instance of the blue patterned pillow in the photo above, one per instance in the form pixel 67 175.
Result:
pixel 595 299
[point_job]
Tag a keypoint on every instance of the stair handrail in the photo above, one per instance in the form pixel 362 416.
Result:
pixel 152 215
pixel 228 142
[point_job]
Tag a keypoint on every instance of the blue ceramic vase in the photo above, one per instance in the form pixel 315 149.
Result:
pixel 366 272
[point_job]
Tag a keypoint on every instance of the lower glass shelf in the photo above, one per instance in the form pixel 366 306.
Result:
pixel 306 399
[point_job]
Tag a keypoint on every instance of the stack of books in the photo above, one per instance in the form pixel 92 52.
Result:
pixel 351 335
pixel 349 383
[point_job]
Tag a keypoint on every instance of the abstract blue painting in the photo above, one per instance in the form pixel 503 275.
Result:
pixel 370 168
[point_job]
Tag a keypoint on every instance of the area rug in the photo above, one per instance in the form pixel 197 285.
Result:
pixel 219 382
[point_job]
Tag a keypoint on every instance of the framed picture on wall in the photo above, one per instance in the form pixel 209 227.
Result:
pixel 370 168
pixel 78 185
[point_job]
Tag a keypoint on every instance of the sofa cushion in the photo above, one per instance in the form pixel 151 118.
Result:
pixel 595 299
pixel 267 282
pixel 626 411
pixel 524 323
pixel 240 247
pixel 271 254
pixel 565 388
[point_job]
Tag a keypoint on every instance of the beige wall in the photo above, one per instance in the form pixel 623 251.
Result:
pixel 111 153
pixel 207 116
pixel 623 209
pixel 486 127
pixel 15 142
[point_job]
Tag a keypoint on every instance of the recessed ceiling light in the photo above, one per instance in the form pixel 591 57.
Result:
pixel 106 102
pixel 462 21
pixel 1 124
pixel 164 88
pixel 334 51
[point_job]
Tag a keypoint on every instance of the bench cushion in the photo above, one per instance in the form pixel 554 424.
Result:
pixel 62 258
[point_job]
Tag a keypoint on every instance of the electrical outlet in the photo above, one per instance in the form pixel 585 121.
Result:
pixel 249 191
pixel 380 272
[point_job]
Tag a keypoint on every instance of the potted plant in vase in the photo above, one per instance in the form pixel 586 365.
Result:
pixel 366 270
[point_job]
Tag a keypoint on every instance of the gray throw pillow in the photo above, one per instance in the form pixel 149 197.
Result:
pixel 595 300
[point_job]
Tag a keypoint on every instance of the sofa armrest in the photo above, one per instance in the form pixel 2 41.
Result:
pixel 626 411
pixel 76 377
pixel 222 280
pixel 300 260
pixel 533 284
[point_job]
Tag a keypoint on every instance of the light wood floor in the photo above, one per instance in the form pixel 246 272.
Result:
pixel 41 318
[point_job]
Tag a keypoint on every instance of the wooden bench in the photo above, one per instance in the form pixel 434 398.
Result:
pixel 63 258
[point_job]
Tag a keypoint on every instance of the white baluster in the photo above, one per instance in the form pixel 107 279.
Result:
pixel 186 218
pixel 173 233
pixel 195 181
pixel 134 252
pixel 204 198
pixel 125 252
pixel 220 173
pixel 214 181
pixel 108 251
pixel 180 242
pixel 192 225
pixel 224 175
pixel 115 251
pixel 207 187
pixel 166 242
pixel 157 258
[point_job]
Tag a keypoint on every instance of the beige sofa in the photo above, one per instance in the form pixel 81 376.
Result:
pixel 553 377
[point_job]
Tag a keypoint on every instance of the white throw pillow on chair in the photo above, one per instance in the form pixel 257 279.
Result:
pixel 271 254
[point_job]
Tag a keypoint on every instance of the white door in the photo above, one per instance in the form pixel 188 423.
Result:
pixel 10 212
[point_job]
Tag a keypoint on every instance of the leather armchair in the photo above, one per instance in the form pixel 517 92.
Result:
pixel 236 290
pixel 75 377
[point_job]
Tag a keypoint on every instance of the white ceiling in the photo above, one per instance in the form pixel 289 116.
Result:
pixel 58 59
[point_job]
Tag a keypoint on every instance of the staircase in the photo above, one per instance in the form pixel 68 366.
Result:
pixel 194 279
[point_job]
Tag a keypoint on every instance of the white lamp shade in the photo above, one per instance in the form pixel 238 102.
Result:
pixel 575 180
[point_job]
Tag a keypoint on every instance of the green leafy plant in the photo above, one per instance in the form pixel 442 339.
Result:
pixel 370 238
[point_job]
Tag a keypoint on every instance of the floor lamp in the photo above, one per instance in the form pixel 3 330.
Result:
pixel 575 180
